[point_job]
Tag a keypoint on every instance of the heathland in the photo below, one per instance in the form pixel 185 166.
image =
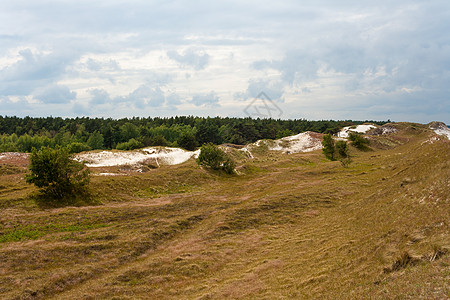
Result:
pixel 289 224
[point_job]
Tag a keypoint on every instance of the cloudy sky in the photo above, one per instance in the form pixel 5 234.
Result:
pixel 322 59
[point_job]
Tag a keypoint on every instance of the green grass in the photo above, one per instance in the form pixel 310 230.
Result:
pixel 32 232
pixel 288 227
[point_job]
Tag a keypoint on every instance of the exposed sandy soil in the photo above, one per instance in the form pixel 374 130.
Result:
pixel 303 142
pixel 14 158
pixel 359 129
pixel 160 155
pixel 440 128
pixel 289 227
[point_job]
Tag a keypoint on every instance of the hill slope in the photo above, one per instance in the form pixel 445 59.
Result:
pixel 291 226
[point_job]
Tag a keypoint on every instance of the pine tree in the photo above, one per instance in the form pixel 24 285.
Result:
pixel 328 147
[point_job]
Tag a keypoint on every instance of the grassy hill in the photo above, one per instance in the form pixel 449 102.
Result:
pixel 288 227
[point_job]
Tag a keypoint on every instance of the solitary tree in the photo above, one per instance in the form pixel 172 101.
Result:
pixel 328 147
pixel 338 150
pixel 342 152
pixel 56 173
pixel 213 157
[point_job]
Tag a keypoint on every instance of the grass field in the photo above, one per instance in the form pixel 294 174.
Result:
pixel 288 227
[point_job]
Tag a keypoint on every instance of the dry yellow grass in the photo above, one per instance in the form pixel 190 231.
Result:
pixel 290 227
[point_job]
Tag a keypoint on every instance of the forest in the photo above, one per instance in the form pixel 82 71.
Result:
pixel 83 134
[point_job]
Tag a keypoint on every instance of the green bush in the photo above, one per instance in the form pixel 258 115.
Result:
pixel 187 141
pixel 358 141
pixel 342 153
pixel 130 145
pixel 213 157
pixel 342 149
pixel 336 150
pixel 56 173
pixel 228 166
pixel 96 140
pixel 78 147
pixel 328 147
pixel 159 140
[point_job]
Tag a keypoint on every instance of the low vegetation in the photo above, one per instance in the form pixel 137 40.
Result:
pixel 294 226
pixel 215 158
pixel 57 174
pixel 329 149
pixel 336 150
pixel 358 141
pixel 82 134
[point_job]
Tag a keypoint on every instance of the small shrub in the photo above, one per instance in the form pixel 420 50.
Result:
pixel 328 147
pixel 229 166
pixel 130 145
pixel 358 141
pixel 78 147
pixel 342 153
pixel 402 262
pixel 213 157
pixel 56 173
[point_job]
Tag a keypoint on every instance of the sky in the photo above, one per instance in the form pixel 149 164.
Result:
pixel 323 59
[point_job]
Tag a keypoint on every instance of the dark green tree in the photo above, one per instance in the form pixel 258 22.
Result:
pixel 208 132
pixel 215 158
pixel 187 141
pixel 95 140
pixel 159 140
pixel 342 153
pixel 57 174
pixel 130 145
pixel 328 147
pixel 77 147
pixel 358 141
pixel 129 131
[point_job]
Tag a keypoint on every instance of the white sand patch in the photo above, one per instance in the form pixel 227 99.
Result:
pixel 445 132
pixel 246 151
pixel 302 142
pixel 170 156
pixel 162 156
pixel 431 140
pixel 11 155
pixel 388 130
pixel 109 174
pixel 385 129
pixel 440 128
pixel 359 129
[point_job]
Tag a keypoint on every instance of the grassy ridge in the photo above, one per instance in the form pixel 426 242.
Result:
pixel 291 226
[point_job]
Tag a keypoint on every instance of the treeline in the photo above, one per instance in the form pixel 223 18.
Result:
pixel 189 132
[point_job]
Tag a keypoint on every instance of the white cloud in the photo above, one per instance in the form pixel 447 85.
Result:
pixel 190 57
pixel 206 100
pixel 55 94
pixel 118 57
